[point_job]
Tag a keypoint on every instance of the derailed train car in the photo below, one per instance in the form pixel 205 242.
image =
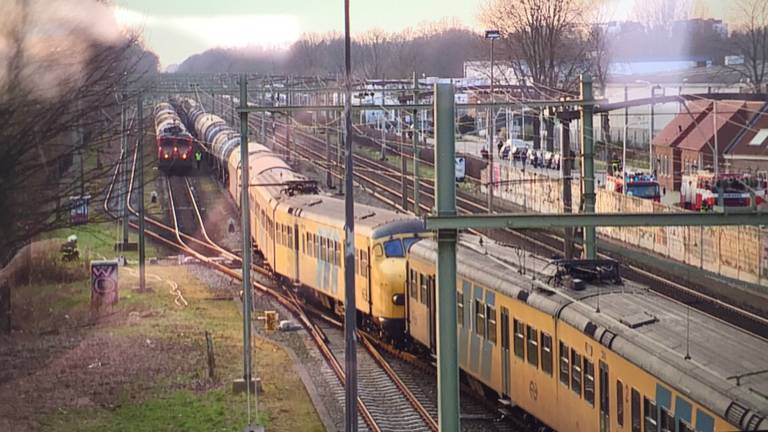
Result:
pixel 299 233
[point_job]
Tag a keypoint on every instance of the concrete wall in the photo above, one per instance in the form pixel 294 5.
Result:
pixel 737 252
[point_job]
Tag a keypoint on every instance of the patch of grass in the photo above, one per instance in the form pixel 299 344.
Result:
pixel 179 411
pixel 151 406
pixel 97 240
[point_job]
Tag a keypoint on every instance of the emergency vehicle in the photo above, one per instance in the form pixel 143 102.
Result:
pixel 638 185
pixel 704 190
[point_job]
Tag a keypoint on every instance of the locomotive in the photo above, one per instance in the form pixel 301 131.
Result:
pixel 568 341
pixel 175 144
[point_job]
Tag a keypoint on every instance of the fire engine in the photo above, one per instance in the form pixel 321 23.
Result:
pixel 638 185
pixel 704 190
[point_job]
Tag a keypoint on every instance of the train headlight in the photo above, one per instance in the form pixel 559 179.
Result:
pixel 398 299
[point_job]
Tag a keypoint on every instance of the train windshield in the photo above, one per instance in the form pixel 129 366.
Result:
pixel 394 249
pixel 643 191
pixel 409 241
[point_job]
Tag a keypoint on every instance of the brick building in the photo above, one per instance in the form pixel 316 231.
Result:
pixel 703 128
pixel 666 143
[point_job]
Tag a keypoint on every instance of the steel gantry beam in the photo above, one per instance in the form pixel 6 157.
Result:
pixel 445 221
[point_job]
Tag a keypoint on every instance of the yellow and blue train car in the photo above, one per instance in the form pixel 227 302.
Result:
pixel 300 233
pixel 608 357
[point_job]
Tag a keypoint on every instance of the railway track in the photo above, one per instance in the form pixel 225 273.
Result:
pixel 385 182
pixel 375 412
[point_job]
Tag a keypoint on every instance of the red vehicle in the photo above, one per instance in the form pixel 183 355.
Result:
pixel 638 185
pixel 704 190
pixel 175 145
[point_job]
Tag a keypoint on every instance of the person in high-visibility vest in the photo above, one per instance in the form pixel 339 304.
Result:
pixel 198 157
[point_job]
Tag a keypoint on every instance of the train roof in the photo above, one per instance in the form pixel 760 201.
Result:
pixel 371 221
pixel 728 368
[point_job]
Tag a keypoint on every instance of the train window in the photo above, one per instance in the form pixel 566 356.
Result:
pixel 304 244
pixel 519 339
pixel 322 248
pixel 357 262
pixel 649 408
pixel 576 372
pixel 289 230
pixel 565 364
pixel 394 248
pixel 364 264
pixel 667 421
pixel 683 426
pixel 337 249
pixel 423 286
pixel 413 284
pixel 460 307
pixel 533 346
pixel 479 318
pixel 589 382
pixel 546 353
pixel 490 314
pixel 313 245
pixel 620 403
pixel 636 415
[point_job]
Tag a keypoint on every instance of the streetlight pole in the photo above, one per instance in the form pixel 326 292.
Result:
pixel 492 35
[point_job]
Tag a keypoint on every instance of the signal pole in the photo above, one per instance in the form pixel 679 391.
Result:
pixel 350 310
pixel 415 141
pixel 124 172
pixel 140 144
pixel 492 35
pixel 246 232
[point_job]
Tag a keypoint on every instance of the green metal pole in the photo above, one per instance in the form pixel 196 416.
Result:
pixel 246 230
pixel 447 357
pixel 140 144
pixel 415 140
pixel 588 166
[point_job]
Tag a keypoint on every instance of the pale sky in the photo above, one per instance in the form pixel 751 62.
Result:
pixel 176 29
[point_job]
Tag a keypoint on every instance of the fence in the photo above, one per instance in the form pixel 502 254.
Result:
pixel 738 252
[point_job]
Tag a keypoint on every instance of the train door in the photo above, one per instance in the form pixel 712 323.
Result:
pixel 605 416
pixel 505 381
pixel 432 311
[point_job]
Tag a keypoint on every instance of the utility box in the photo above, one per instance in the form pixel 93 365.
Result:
pixel 270 320
pixel 104 283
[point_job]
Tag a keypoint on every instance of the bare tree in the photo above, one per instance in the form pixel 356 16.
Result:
pixel 59 106
pixel 660 15
pixel 374 46
pixel 545 43
pixel 750 40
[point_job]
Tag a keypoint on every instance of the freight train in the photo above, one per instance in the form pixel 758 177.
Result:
pixel 567 341
pixel 175 144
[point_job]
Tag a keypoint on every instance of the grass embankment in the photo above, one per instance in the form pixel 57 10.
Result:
pixel 141 366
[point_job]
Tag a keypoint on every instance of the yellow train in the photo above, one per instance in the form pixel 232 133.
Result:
pixel 607 356
pixel 300 233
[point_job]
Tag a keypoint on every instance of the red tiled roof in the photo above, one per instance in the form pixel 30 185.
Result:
pixel 742 146
pixel 728 118
pixel 682 124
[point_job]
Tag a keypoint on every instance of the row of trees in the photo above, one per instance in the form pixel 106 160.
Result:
pixel 59 107
pixel 549 42
pixel 437 49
